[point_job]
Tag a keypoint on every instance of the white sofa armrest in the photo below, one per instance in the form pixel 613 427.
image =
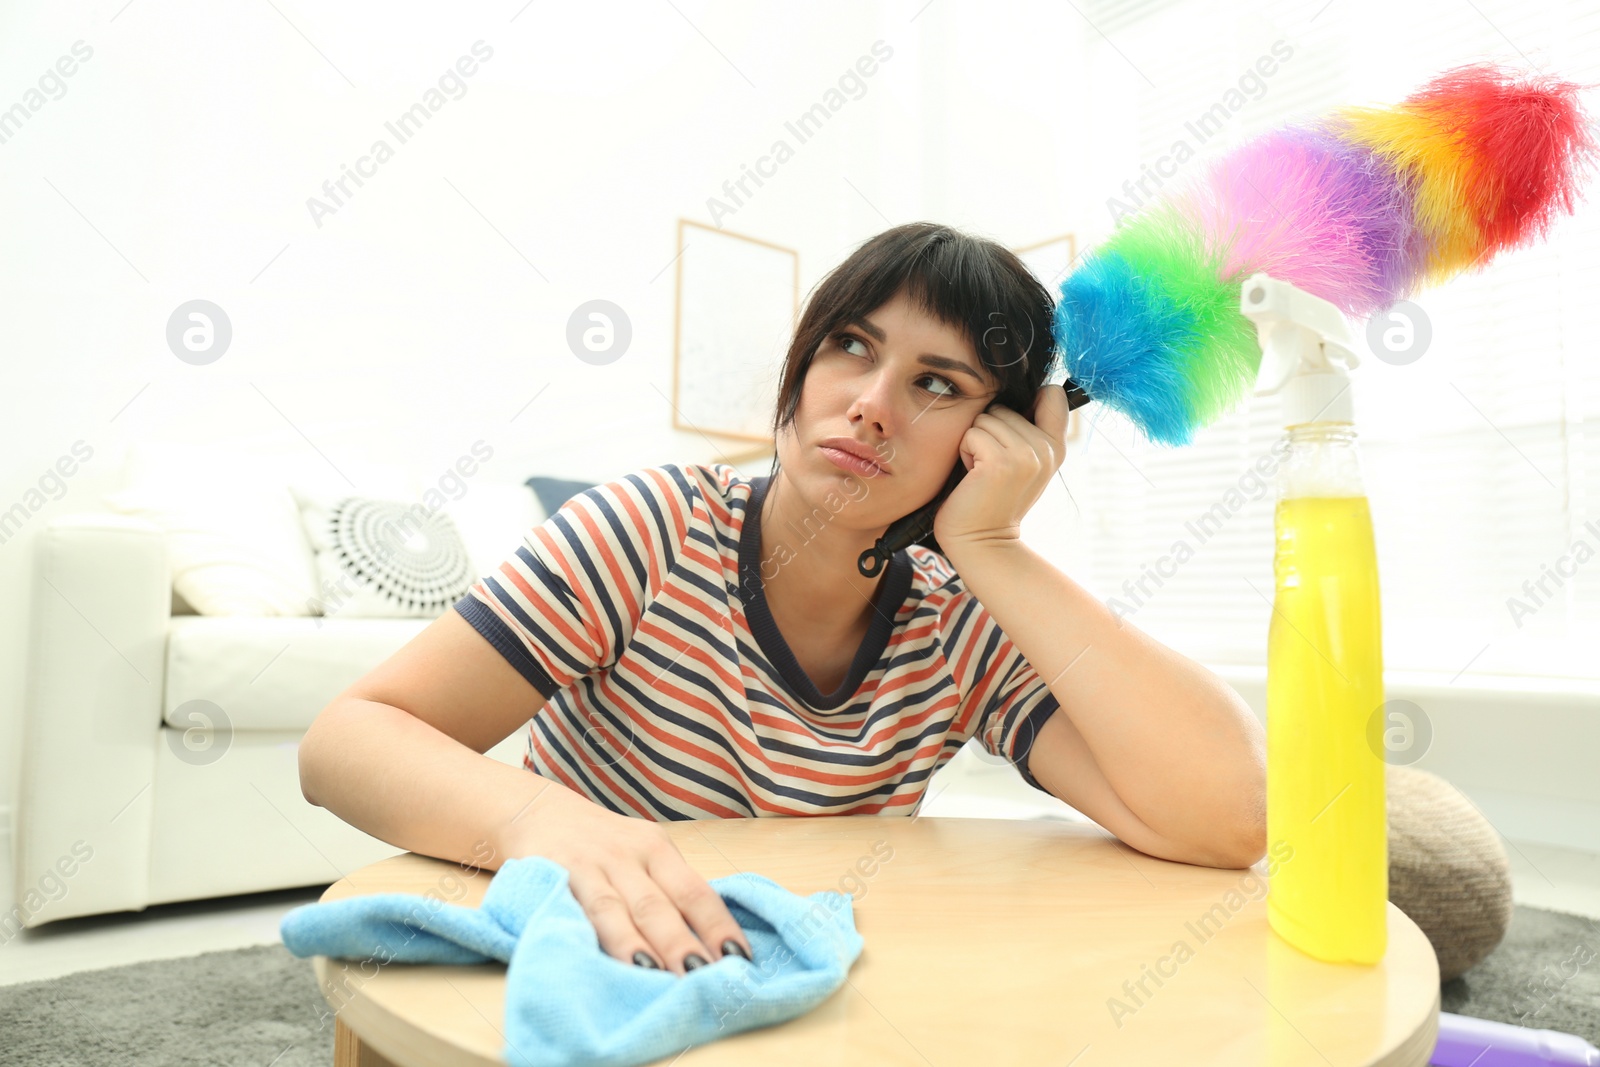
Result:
pixel 102 597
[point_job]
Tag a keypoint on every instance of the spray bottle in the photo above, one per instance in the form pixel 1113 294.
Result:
pixel 1325 779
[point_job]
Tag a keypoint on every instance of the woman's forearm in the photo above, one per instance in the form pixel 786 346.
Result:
pixel 384 771
pixel 1178 745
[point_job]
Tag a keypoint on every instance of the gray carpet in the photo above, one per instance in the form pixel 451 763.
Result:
pixel 1544 975
pixel 260 1006
pixel 257 1006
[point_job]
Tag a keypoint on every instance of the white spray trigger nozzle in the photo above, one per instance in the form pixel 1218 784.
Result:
pixel 1300 335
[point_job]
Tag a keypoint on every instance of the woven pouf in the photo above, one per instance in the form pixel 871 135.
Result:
pixel 1447 869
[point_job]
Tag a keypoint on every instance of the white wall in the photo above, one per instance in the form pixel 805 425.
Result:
pixel 431 307
pixel 176 162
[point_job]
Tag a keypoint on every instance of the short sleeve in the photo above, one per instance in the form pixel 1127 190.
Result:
pixel 567 600
pixel 1009 699
pixel 1015 715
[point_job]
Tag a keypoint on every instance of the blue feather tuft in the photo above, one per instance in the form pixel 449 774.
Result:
pixel 1124 341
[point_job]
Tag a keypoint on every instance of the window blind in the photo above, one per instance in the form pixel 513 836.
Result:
pixel 1481 457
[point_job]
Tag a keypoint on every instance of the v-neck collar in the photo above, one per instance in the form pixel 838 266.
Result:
pixel 892 589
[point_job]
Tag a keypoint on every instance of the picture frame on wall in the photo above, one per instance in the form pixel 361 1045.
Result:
pixel 738 302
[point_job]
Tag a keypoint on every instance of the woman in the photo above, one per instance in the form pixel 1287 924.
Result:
pixel 689 643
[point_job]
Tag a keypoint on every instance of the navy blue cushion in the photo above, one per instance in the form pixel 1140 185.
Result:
pixel 553 492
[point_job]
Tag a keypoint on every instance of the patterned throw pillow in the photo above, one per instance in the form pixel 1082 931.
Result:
pixel 384 558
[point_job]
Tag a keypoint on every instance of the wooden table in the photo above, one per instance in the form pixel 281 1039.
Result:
pixel 995 941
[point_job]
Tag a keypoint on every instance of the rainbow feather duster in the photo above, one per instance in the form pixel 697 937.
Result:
pixel 1361 207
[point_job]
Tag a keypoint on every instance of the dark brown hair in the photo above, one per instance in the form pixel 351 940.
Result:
pixel 969 283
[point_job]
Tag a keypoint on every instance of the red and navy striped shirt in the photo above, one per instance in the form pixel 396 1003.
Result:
pixel 637 610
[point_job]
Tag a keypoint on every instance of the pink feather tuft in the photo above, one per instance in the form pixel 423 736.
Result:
pixel 1306 207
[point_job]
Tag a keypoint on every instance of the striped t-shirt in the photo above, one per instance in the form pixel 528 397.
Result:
pixel 637 610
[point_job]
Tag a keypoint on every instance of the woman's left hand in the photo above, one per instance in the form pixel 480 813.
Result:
pixel 1009 460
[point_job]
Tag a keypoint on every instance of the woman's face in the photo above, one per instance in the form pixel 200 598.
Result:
pixel 901 385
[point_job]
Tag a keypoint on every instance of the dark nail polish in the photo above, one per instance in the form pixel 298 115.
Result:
pixel 644 959
pixel 693 960
pixel 731 947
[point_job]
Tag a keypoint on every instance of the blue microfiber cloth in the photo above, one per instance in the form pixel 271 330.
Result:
pixel 567 1001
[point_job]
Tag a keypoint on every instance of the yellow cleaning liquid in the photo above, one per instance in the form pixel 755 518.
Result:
pixel 1325 780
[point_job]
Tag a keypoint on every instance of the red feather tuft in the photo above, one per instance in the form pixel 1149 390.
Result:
pixel 1528 144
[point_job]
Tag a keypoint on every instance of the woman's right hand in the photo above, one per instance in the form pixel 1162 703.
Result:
pixel 633 883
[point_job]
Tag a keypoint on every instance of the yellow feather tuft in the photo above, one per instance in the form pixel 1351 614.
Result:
pixel 1434 166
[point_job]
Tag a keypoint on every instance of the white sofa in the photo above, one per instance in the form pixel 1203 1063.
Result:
pixel 127 798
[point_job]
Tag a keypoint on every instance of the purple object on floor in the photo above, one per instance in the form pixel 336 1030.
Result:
pixel 1468 1042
